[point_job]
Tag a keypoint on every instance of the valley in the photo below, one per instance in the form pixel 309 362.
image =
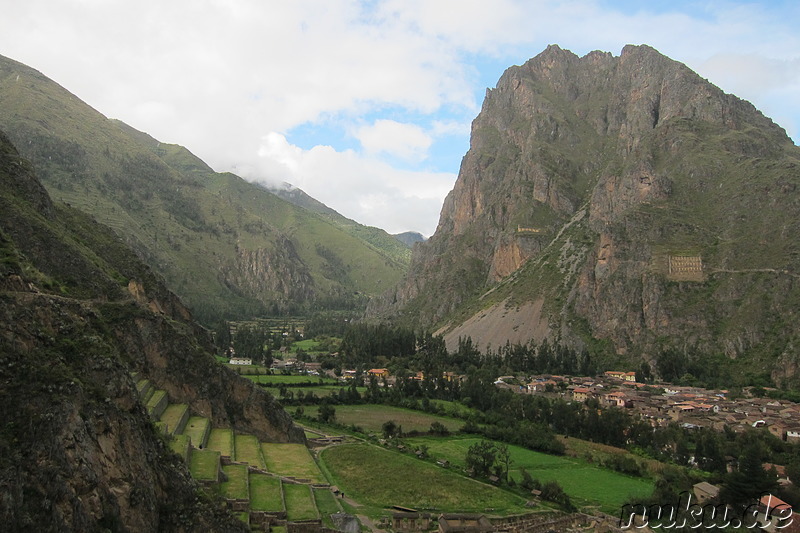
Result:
pixel 606 316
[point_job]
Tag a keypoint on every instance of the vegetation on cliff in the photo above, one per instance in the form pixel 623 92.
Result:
pixel 622 204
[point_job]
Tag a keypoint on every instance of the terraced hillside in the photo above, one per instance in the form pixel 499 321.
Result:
pixel 265 484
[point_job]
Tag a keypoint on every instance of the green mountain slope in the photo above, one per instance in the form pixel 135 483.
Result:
pixel 227 247
pixel 380 239
pixel 622 204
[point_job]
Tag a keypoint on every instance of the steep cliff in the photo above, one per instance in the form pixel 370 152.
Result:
pixel 620 203
pixel 78 314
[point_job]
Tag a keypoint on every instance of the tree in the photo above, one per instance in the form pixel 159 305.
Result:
pixel 480 458
pixel 327 413
pixel 502 461
pixel 552 492
pixel 527 480
pixel 389 429
pixel 437 428
pixel 750 480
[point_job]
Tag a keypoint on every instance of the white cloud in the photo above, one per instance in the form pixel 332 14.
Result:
pixel 363 188
pixel 406 141
pixel 219 75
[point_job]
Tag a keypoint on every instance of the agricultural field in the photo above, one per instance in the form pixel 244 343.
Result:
pixel 265 493
pixel 204 465
pixel 371 417
pixel 221 440
pixel 379 478
pixel 307 345
pixel 172 416
pixel 180 445
pixel 299 502
pixel 327 505
pixel 236 485
pixel 196 429
pixel 248 450
pixel 291 460
pixel 585 483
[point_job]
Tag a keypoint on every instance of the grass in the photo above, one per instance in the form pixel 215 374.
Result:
pixel 380 478
pixel 172 416
pixel 221 440
pixel 585 483
pixel 248 450
pixel 327 505
pixel 281 379
pixel 236 486
pixel 265 493
pixel 372 417
pixel 291 460
pixel 204 465
pixel 180 445
pixel 307 345
pixel 155 399
pixel 299 502
pixel 197 429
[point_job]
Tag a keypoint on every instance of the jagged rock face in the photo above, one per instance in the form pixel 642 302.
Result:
pixel 273 274
pixel 79 452
pixel 585 175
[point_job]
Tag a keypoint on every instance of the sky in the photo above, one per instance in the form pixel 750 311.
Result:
pixel 367 105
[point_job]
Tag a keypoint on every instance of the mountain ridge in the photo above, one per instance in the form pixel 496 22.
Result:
pixel 229 248
pixel 585 177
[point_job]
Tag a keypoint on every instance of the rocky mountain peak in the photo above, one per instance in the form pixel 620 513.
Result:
pixel 584 176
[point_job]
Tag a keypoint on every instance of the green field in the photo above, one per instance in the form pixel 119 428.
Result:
pixel 380 478
pixel 221 440
pixel 291 460
pixel 265 493
pixel 372 417
pixel 180 445
pixel 327 505
pixel 196 429
pixel 307 345
pixel 172 416
pixel 248 450
pixel 299 502
pixel 586 484
pixel 204 465
pixel 236 486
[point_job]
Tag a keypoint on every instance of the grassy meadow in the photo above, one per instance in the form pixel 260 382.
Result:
pixel 380 478
pixel 299 502
pixel 585 483
pixel 292 460
pixel 265 493
pixel 371 417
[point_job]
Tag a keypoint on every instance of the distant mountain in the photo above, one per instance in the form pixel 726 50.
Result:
pixel 622 205
pixel 409 238
pixel 229 248
pixel 82 319
pixel 376 237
